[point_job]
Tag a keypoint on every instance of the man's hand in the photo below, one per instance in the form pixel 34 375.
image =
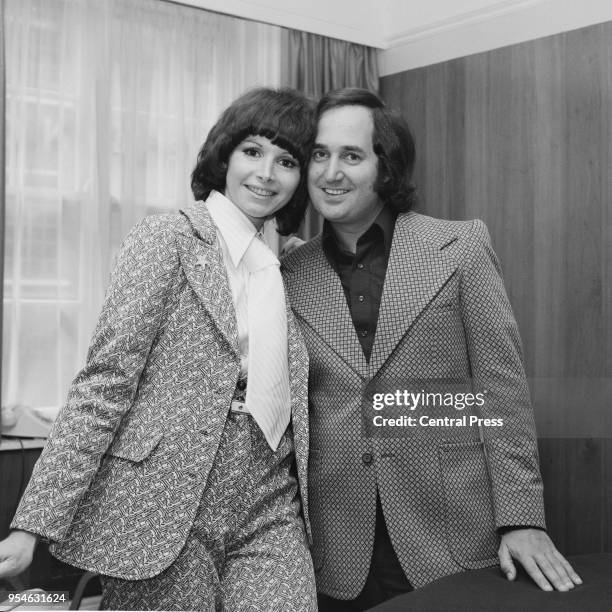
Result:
pixel 16 552
pixel 534 550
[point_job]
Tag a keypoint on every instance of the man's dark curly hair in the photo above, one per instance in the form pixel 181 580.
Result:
pixel 392 142
pixel 286 117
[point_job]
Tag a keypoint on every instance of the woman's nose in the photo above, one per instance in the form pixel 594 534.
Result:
pixel 265 170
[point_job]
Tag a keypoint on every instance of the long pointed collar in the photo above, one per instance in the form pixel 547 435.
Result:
pixel 236 229
pixel 317 296
pixel 418 268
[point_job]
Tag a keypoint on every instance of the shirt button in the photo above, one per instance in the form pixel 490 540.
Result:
pixel 363 333
pixel 241 385
pixel 360 266
pixel 361 298
pixel 367 458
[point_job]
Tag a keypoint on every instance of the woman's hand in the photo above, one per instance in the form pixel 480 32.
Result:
pixel 16 552
pixel 291 244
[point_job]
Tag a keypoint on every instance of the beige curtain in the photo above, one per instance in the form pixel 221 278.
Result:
pixel 316 64
pixel 108 103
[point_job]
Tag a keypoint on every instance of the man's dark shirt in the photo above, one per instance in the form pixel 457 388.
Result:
pixel 363 274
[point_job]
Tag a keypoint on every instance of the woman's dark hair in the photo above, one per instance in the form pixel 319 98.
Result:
pixel 392 143
pixel 286 117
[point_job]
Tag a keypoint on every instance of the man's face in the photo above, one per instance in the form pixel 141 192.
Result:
pixel 343 168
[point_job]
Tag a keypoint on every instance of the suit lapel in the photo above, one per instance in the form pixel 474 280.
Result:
pixel 416 272
pixel 298 381
pixel 298 375
pixel 321 303
pixel 202 262
pixel 298 359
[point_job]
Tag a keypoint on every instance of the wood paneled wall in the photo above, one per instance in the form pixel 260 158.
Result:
pixel 520 137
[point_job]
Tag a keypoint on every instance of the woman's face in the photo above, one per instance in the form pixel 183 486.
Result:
pixel 261 178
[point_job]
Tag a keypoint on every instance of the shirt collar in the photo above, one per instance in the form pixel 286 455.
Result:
pixel 235 228
pixel 385 221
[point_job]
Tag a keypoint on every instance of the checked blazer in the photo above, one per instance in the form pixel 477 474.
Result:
pixel 444 314
pixel 118 484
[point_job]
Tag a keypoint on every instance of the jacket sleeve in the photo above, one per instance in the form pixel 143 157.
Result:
pixel 496 360
pixel 103 391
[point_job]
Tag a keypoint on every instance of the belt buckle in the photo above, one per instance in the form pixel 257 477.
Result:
pixel 239 407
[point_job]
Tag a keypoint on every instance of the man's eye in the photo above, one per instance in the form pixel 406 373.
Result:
pixel 319 155
pixel 352 157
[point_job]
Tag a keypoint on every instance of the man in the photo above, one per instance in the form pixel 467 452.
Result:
pixel 386 299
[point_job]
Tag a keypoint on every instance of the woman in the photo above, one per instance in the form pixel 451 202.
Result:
pixel 166 472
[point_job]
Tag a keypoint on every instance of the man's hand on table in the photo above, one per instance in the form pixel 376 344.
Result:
pixel 534 550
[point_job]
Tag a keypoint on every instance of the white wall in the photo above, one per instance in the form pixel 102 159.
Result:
pixel 413 33
pixel 481 25
pixel 357 21
pixel 401 15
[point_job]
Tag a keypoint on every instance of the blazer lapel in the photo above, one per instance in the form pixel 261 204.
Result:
pixel 321 303
pixel 204 268
pixel 298 360
pixel 298 378
pixel 416 272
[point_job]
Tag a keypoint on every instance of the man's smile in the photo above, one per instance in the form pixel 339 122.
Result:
pixel 334 192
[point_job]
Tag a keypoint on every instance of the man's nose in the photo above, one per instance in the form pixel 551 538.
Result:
pixel 332 170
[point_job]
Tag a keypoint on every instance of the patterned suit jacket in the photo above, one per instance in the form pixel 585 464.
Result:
pixel 444 314
pixel 118 484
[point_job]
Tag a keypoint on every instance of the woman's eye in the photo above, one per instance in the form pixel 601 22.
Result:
pixel 251 151
pixel 288 162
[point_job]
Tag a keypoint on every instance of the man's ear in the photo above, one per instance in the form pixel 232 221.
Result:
pixel 384 174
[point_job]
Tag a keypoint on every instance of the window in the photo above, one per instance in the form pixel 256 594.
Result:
pixel 107 107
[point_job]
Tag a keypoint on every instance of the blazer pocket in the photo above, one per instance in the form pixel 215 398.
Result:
pixel 134 448
pixel 316 508
pixel 470 522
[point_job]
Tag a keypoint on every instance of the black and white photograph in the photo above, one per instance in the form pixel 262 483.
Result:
pixel 306 306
